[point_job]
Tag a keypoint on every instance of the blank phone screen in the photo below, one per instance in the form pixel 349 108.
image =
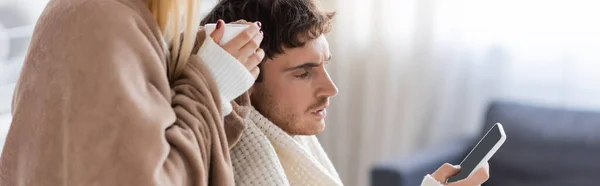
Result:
pixel 482 148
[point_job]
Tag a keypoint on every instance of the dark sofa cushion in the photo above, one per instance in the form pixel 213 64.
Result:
pixel 545 146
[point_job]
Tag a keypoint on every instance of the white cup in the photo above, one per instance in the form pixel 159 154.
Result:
pixel 231 30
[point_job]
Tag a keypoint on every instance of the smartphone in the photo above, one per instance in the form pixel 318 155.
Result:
pixel 481 153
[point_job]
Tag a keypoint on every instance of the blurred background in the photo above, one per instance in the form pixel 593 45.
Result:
pixel 418 76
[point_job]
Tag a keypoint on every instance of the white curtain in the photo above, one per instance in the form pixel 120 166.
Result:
pixel 416 72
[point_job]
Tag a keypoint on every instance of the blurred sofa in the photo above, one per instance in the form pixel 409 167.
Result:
pixel 544 147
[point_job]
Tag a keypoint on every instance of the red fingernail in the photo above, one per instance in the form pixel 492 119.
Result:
pixel 259 24
pixel 219 24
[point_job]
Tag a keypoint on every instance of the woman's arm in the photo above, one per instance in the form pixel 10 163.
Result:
pixel 234 64
pixel 233 79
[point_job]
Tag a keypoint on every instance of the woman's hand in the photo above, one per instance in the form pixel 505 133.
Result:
pixel 245 47
pixel 447 170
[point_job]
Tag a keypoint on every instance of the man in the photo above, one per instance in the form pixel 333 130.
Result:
pixel 290 97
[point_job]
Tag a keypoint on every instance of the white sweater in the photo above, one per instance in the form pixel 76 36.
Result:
pixel 265 154
pixel 233 79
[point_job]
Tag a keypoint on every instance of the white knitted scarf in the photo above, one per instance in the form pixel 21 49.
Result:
pixel 266 155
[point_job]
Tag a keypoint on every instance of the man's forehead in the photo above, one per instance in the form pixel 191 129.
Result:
pixel 315 50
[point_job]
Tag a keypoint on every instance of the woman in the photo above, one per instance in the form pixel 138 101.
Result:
pixel 112 94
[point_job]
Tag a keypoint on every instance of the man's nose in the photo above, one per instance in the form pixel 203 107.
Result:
pixel 328 88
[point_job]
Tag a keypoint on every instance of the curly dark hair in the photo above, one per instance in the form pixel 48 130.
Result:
pixel 285 23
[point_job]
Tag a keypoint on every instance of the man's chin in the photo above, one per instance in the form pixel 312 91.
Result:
pixel 319 127
pixel 309 129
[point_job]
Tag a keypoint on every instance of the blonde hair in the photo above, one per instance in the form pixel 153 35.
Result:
pixel 171 16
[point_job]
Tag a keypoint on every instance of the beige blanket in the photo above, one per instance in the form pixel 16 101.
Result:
pixel 93 105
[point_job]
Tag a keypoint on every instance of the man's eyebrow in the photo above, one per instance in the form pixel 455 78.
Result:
pixel 305 65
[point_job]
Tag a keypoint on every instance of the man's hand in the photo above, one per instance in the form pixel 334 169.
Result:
pixel 245 47
pixel 447 170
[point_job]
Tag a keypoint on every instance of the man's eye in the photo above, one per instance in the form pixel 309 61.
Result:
pixel 303 75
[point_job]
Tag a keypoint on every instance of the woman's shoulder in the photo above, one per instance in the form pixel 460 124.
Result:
pixel 92 25
pixel 91 7
pixel 108 15
pixel 103 36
